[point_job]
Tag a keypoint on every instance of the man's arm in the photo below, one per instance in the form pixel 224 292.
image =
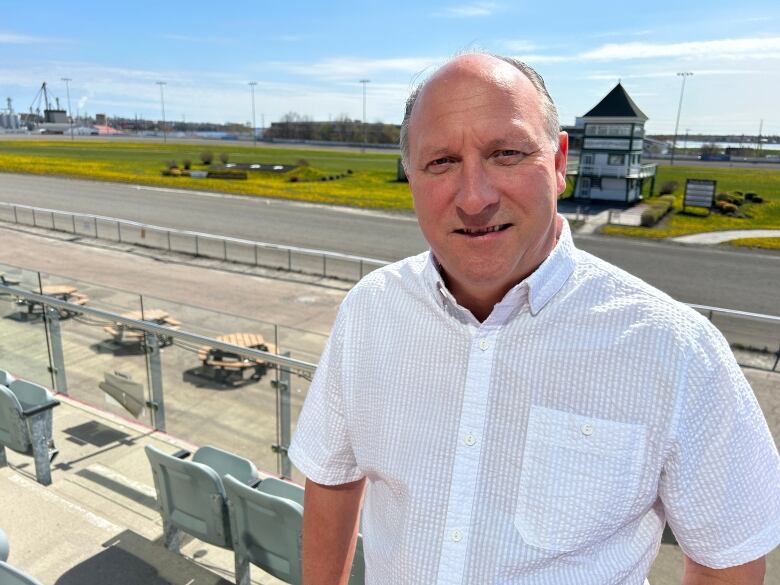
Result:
pixel 330 529
pixel 751 573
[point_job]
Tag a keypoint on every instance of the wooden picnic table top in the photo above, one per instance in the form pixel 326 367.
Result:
pixel 153 315
pixel 51 290
pixel 249 340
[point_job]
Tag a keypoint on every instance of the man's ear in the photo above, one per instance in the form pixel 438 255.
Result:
pixel 560 161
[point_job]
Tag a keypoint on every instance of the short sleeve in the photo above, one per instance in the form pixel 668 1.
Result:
pixel 321 448
pixel 720 485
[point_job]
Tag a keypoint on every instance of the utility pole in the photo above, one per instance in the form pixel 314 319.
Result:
pixel 365 129
pixel 67 81
pixel 252 85
pixel 162 102
pixel 758 140
pixel 684 75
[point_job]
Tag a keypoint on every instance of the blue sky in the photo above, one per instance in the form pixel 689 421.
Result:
pixel 308 56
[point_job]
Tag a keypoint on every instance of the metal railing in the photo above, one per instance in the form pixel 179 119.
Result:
pixel 150 345
pixel 618 171
pixel 277 256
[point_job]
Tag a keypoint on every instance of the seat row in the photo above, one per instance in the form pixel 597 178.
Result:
pixel 26 423
pixel 219 498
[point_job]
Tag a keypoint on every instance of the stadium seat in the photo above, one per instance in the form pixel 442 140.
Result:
pixel 12 576
pixel 26 425
pixel 6 378
pixel 266 532
pixel 191 496
pixel 3 546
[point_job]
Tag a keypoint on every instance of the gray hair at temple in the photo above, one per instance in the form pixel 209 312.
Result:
pixel 548 107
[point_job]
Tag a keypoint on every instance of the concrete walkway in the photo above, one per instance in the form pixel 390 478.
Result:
pixel 725 236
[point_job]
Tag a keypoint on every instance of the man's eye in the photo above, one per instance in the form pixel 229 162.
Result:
pixel 440 161
pixel 508 152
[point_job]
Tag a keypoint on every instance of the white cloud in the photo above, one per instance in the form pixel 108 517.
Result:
pixel 621 33
pixel 750 47
pixel 475 9
pixel 11 38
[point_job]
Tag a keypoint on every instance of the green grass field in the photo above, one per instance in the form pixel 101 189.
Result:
pixel 372 184
pixel 764 182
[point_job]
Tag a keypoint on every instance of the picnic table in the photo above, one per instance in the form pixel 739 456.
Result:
pixel 63 292
pixel 127 334
pixel 229 366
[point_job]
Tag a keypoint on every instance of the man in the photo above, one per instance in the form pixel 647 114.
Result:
pixel 517 410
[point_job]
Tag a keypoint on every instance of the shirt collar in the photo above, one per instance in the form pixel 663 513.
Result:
pixel 542 285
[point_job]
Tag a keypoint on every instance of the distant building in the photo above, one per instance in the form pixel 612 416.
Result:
pixel 101 120
pixel 610 156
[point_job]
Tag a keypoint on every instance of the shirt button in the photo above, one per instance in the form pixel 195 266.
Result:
pixel 469 439
pixel 587 429
pixel 483 344
pixel 456 535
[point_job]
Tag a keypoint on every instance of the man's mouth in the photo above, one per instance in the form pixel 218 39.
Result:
pixel 481 231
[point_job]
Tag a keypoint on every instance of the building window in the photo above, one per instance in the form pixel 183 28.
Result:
pixel 595 182
pixel 608 129
pixel 617 159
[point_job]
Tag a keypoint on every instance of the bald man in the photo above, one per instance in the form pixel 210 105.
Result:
pixel 517 410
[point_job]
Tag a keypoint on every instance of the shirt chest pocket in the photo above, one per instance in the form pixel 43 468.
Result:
pixel 579 478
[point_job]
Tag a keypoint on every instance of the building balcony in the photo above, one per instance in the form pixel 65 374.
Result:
pixel 617 171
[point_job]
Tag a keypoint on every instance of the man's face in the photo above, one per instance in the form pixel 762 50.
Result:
pixel 484 174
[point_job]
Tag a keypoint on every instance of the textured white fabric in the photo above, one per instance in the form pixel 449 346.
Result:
pixel 546 445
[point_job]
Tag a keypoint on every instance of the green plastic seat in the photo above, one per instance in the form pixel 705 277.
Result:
pixel 6 378
pixel 26 425
pixel 266 532
pixel 250 524
pixel 12 576
pixel 191 496
pixel 4 548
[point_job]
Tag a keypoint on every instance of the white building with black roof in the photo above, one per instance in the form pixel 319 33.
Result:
pixel 610 160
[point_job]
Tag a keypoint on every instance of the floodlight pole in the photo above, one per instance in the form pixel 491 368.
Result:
pixel 162 102
pixel 67 81
pixel 252 85
pixel 684 75
pixel 365 129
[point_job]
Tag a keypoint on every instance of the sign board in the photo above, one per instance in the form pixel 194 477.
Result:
pixel 699 193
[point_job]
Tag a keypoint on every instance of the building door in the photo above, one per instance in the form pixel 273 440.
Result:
pixel 584 188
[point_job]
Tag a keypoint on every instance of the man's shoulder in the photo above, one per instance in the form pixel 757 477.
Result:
pixel 397 280
pixel 614 290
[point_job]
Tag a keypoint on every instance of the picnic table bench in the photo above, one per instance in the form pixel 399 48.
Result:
pixel 228 366
pixel 63 292
pixel 126 334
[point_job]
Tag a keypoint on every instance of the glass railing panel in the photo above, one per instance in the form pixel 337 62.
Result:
pixel 24 350
pixel 299 389
pixel 233 409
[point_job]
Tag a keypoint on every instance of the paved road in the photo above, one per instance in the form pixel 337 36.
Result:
pixel 745 280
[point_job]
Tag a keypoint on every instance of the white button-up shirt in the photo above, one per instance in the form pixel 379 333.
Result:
pixel 548 444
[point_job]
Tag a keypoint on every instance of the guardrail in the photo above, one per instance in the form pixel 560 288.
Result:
pixel 277 256
pixel 150 346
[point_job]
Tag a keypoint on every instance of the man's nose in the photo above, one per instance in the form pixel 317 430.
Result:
pixel 476 192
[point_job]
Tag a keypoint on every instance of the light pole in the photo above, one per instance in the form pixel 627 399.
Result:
pixel 252 85
pixel 162 102
pixel 365 129
pixel 684 75
pixel 67 81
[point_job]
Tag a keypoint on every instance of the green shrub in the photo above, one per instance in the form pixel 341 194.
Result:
pixel 757 199
pixel 668 187
pixel 670 198
pixel 729 198
pixel 171 164
pixel 187 164
pixel 224 157
pixel 740 194
pixel 651 215
pixel 206 157
pixel 750 195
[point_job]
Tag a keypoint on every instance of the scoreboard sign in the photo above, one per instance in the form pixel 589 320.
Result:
pixel 699 193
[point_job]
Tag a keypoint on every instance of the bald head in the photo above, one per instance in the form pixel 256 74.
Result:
pixel 501 70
